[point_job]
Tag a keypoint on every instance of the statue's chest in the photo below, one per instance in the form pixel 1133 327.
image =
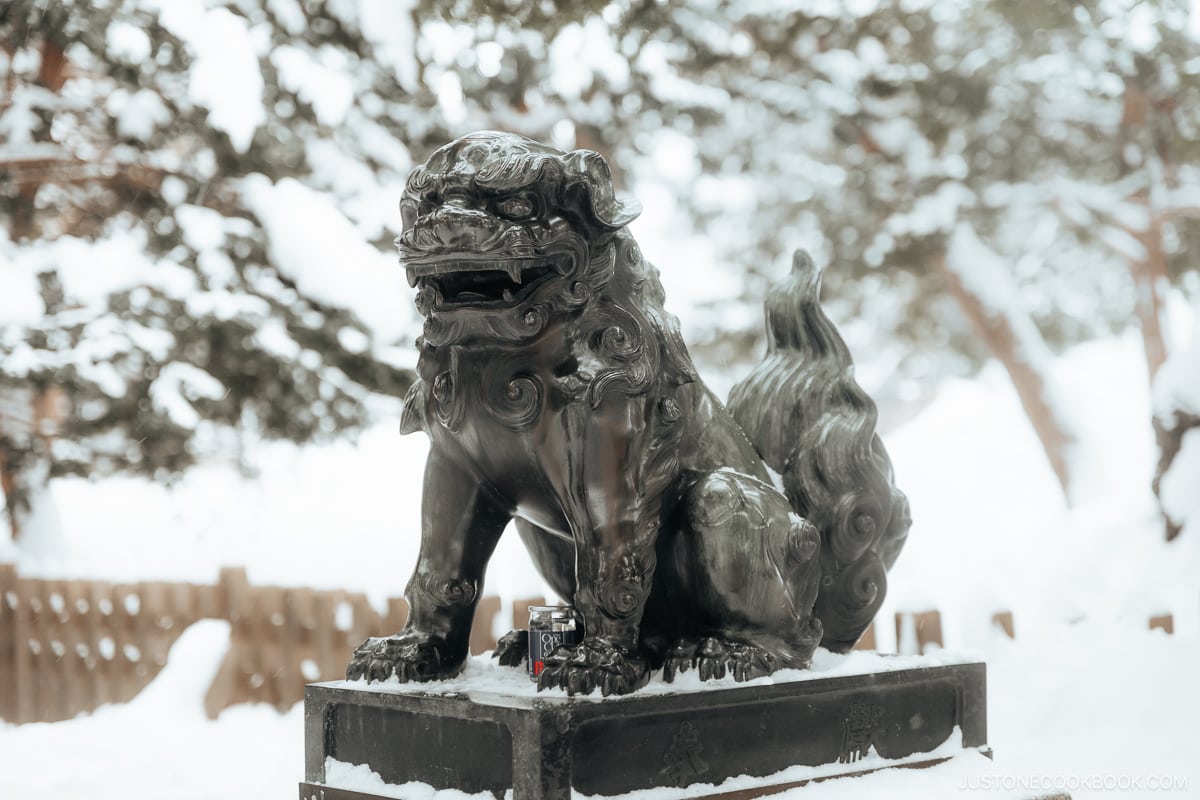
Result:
pixel 503 410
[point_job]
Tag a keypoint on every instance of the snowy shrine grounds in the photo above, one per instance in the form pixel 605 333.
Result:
pixel 1086 699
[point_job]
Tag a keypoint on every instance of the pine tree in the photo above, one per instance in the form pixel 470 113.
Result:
pixel 200 202
pixel 1060 138
pixel 200 196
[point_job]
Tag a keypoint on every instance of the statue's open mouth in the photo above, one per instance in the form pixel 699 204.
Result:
pixel 484 283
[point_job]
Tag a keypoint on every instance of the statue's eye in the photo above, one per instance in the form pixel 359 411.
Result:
pixel 516 207
pixel 427 206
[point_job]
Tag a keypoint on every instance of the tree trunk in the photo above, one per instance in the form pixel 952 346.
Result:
pixel 1168 435
pixel 1010 342
pixel 1149 280
pixel 8 485
pixel 52 73
pixel 1143 111
pixel 29 420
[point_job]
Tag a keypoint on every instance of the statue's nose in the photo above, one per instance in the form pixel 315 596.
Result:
pixel 456 225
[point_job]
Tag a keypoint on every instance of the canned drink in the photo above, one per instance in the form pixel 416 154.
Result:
pixel 549 627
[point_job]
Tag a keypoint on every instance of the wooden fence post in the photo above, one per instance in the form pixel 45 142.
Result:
pixel 277 661
pixel 397 616
pixel 233 590
pixel 520 611
pixel 326 644
pixel 1004 621
pixel 11 686
pixel 926 629
pixel 867 640
pixel 72 672
pixel 1163 622
pixel 46 701
pixel 482 638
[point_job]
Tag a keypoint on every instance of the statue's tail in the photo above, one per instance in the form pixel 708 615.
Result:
pixel 812 423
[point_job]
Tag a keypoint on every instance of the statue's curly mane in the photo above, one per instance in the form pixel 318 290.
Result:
pixel 641 354
pixel 629 329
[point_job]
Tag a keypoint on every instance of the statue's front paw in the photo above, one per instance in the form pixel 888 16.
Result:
pixel 715 658
pixel 410 656
pixel 598 663
pixel 513 648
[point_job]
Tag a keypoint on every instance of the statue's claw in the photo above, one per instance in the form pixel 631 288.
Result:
pixel 598 663
pixel 410 656
pixel 680 659
pixel 513 648
pixel 715 658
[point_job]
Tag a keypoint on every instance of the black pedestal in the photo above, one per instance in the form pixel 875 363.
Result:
pixel 542 747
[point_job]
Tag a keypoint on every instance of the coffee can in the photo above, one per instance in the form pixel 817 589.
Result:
pixel 549 628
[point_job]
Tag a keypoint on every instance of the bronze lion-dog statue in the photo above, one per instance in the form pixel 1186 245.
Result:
pixel 557 393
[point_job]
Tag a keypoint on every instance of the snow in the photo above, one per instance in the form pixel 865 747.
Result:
pixel 698 280
pixel 361 778
pixel 381 146
pixel 388 25
pixel 583 53
pixel 1180 488
pixel 225 76
pixel 1139 28
pixel 161 742
pixel 323 81
pixel 1177 385
pixel 91 271
pixel 482 676
pixel 316 246
pixel 127 42
pixel 871 761
pixel 20 300
pixel 654 61
pixel 448 88
pixel 177 385
pixel 289 14
pixel 988 277
pixel 139 113
pixel 1177 389
pixel 203 228
pixel 936 212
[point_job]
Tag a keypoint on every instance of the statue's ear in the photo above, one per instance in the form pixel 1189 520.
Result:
pixel 587 185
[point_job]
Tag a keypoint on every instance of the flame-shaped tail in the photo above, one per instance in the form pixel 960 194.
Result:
pixel 812 423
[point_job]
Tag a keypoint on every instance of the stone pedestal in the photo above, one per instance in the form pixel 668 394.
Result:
pixel 541 747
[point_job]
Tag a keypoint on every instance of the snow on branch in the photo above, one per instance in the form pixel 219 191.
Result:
pixel 314 245
pixel 986 276
pixel 173 391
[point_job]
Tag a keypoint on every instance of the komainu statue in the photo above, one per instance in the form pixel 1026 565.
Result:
pixel 557 393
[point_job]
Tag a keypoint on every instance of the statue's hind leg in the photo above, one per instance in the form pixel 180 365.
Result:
pixel 750 566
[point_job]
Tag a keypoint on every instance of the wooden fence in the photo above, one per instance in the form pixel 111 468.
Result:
pixel 69 646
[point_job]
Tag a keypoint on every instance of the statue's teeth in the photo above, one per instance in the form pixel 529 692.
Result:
pixel 514 272
pixel 412 279
pixel 507 295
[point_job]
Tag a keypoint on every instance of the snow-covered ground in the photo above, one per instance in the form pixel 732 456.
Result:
pixel 1085 699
